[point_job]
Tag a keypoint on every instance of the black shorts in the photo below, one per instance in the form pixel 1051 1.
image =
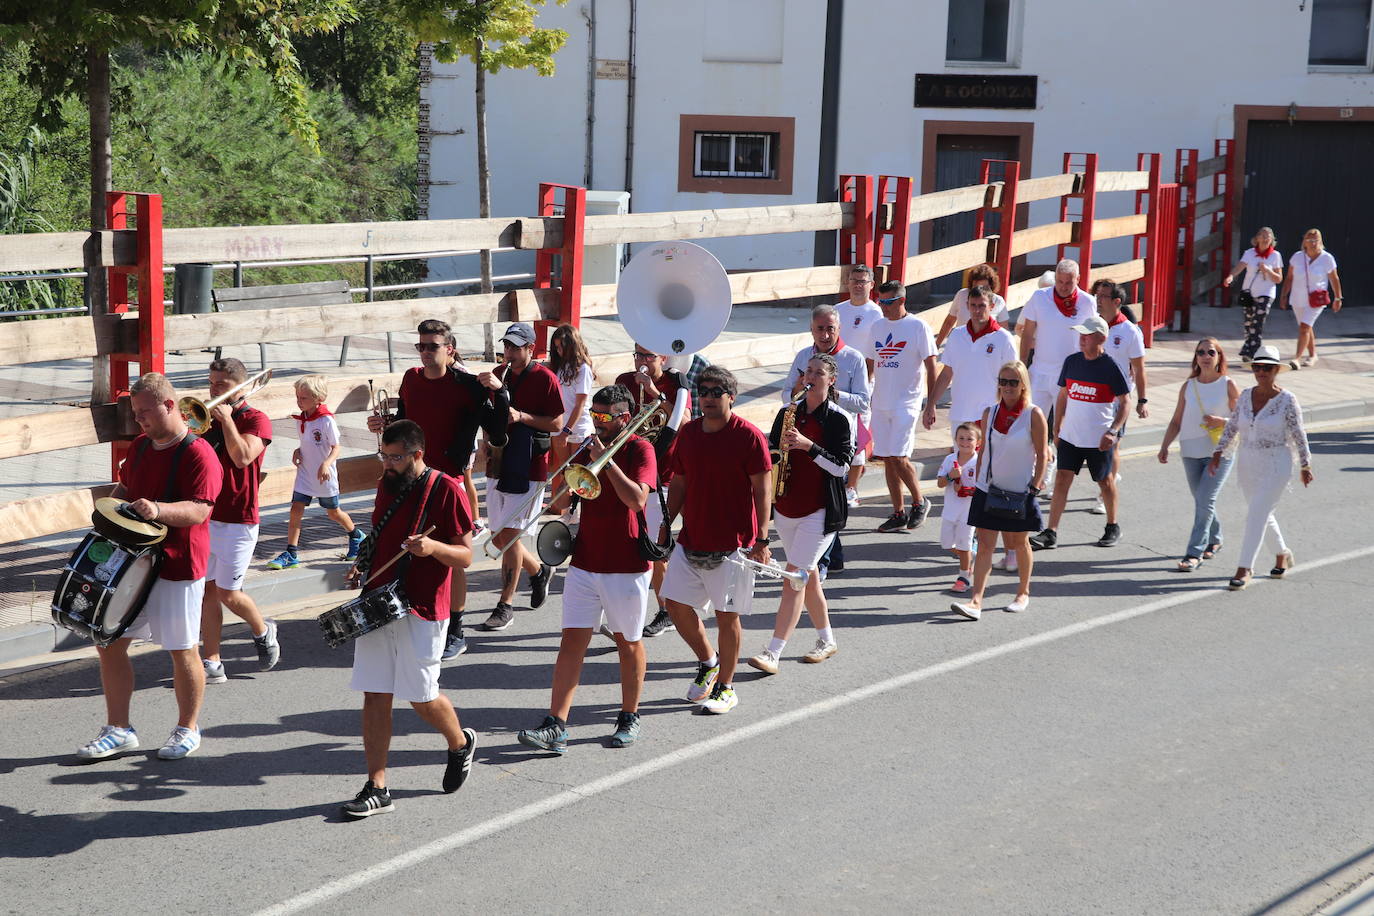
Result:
pixel 1072 458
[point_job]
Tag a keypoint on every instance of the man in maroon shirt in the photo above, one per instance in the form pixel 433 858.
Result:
pixel 239 437
pixel 173 478
pixel 607 575
pixel 652 381
pixel 536 412
pixel 722 487
pixel 402 657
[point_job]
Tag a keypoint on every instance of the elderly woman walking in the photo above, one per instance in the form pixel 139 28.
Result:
pixel 1263 269
pixel 1311 285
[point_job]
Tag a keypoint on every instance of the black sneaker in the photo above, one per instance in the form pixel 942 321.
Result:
pixel 500 618
pixel 1110 535
pixel 1045 540
pixel 371 800
pixel 895 522
pixel 460 763
pixel 539 585
pixel 454 645
pixel 661 624
pixel 551 736
pixel 916 515
pixel 626 729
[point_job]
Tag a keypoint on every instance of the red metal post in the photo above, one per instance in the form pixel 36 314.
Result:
pixel 1087 212
pixel 1185 173
pixel 1006 209
pixel 891 225
pixel 856 242
pixel 1225 220
pixel 147 269
pixel 573 207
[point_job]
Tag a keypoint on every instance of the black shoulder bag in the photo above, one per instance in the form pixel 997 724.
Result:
pixel 1000 503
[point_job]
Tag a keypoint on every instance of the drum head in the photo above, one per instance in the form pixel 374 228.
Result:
pixel 554 543
pixel 113 519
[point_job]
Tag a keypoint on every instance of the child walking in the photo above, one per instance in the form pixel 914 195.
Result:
pixel 315 477
pixel 957 475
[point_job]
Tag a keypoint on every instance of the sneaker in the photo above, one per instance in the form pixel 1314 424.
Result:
pixel 820 652
pixel 1110 535
pixel 1008 563
pixel 111 740
pixel 722 700
pixel 766 661
pixel 182 742
pixel 700 688
pixel 626 729
pixel 661 624
pixel 287 559
pixel 960 585
pixel 500 618
pixel 1099 509
pixel 967 610
pixel 551 736
pixel 371 800
pixel 269 650
pixel 916 515
pixel 454 646
pixel 460 763
pixel 355 540
pixel 539 585
pixel 1045 540
pixel 895 522
pixel 851 496
pixel 606 631
pixel 1245 360
pixel 214 671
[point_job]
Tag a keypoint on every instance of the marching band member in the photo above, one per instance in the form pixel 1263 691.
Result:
pixel 607 576
pixel 239 437
pixel 402 657
pixel 721 487
pixel 173 478
pixel 816 446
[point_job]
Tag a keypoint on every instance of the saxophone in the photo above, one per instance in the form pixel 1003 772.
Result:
pixel 782 464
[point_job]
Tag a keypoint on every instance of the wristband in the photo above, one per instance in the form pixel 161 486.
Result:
pixel 1142 400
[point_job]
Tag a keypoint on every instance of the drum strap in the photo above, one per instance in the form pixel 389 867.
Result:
pixel 169 495
pixel 368 549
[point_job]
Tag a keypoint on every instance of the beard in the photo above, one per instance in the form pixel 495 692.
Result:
pixel 395 480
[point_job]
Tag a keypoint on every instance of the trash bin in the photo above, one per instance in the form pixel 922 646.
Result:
pixel 191 285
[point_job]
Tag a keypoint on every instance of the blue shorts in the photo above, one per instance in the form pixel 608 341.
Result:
pixel 326 502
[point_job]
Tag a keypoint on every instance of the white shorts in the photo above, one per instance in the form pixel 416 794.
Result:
pixel 804 541
pixel 1044 392
pixel 231 550
pixel 171 615
pixel 1305 313
pixel 401 658
pixel 894 431
pixel 727 589
pixel 622 597
pixel 956 534
pixel 500 505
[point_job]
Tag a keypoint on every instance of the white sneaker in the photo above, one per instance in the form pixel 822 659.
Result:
pixel 1098 509
pixel 823 649
pixel 111 740
pixel 182 742
pixel 214 671
pixel 1007 563
pixel 766 661
pixel 851 496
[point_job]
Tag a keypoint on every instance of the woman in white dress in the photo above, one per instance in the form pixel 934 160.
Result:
pixel 1267 422
pixel 1311 285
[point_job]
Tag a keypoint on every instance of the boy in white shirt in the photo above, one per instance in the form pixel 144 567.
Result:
pixel 957 475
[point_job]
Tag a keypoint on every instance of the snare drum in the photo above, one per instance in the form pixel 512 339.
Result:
pixel 103 588
pixel 370 611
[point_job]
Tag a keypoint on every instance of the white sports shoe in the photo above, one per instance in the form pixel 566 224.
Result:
pixel 1098 509
pixel 111 740
pixel 766 661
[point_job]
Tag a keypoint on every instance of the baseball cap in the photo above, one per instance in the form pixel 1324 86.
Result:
pixel 1093 324
pixel 519 334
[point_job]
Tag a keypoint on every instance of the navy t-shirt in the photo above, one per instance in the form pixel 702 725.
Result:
pixel 1092 386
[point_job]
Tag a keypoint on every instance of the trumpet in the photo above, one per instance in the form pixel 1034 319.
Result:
pixel 793 577
pixel 380 402
pixel 196 412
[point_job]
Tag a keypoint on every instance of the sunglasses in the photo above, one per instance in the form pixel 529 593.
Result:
pixel 890 301
pixel 643 356
pixel 428 347
pixel 1009 382
pixel 1263 367
pixel 714 392
pixel 388 458
pixel 600 417
pixel 1206 352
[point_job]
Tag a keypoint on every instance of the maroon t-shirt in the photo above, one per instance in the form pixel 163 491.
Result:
pixel 535 391
pixel 805 481
pixel 435 404
pixel 718 514
pixel 607 540
pixel 668 387
pixel 238 496
pixel 144 474
pixel 426 583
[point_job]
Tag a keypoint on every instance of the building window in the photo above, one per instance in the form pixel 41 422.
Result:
pixel 735 154
pixel 726 155
pixel 978 31
pixel 1340 34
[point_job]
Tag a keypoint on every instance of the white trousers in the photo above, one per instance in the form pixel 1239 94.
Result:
pixel 1262 489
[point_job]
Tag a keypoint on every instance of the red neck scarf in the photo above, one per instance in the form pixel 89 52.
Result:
pixel 320 411
pixel 1065 304
pixel 1263 253
pixel 839 345
pixel 991 326
pixel 1120 317
pixel 1005 417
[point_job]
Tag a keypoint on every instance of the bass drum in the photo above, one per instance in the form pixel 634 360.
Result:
pixel 103 588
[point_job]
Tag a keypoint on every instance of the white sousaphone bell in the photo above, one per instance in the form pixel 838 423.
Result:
pixel 673 298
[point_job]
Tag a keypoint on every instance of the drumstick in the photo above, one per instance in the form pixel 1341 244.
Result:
pixel 383 568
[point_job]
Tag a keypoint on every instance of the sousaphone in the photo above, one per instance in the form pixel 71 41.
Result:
pixel 673 298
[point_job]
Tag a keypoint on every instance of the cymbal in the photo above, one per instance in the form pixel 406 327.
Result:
pixel 113 519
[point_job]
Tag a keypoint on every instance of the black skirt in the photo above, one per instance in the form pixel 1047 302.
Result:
pixel 980 519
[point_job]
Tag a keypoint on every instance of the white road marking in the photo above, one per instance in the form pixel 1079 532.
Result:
pixel 596 787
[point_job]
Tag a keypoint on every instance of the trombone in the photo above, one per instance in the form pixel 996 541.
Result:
pixel 196 412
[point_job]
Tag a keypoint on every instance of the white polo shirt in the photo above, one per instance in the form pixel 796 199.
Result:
pixel 1124 343
pixel 1257 284
pixel 975 364
pixel 898 350
pixel 1055 337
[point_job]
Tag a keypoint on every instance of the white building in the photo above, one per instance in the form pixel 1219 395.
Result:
pixel 722 103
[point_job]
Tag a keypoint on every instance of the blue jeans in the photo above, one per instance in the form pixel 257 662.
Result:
pixel 1205 487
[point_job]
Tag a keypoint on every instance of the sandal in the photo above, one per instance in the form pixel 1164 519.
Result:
pixel 1188 564
pixel 1239 582
pixel 1211 551
pixel 1282 565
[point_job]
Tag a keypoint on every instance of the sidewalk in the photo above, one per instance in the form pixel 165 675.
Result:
pixel 1341 386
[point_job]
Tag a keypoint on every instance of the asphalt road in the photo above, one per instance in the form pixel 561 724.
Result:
pixel 1139 741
